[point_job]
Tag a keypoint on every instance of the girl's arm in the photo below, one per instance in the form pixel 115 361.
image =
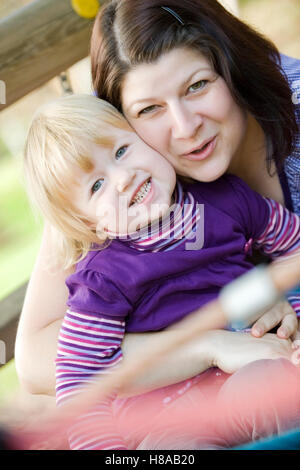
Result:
pixel 40 322
pixel 280 240
pixel 89 346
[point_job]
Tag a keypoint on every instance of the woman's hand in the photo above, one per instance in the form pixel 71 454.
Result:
pixel 281 314
pixel 232 350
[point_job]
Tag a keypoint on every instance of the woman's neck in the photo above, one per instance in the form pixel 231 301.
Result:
pixel 250 163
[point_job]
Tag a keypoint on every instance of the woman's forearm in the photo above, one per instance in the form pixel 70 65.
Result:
pixel 35 360
pixel 187 361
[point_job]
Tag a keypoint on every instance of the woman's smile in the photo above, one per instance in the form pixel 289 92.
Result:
pixel 184 110
pixel 203 151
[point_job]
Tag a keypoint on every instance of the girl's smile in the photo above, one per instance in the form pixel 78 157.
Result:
pixel 144 193
pixel 128 184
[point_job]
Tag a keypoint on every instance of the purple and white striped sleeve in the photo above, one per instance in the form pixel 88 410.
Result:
pixel 89 346
pixel 281 240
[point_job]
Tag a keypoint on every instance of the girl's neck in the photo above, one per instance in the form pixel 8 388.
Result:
pixel 250 163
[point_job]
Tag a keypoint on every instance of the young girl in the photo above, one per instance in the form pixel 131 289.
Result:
pixel 174 246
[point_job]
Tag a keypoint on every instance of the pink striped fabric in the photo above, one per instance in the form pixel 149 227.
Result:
pixel 281 239
pixel 88 346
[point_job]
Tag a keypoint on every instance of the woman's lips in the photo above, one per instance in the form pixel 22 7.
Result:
pixel 202 154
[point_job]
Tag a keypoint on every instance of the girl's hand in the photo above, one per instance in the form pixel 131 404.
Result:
pixel 282 313
pixel 233 350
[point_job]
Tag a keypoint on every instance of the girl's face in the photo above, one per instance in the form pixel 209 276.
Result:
pixel 185 111
pixel 129 186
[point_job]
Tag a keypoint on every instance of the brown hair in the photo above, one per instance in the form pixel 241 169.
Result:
pixel 131 32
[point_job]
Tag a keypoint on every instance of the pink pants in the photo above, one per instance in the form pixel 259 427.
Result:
pixel 214 410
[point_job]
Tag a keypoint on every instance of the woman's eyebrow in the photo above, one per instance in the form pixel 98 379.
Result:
pixel 183 83
pixel 137 102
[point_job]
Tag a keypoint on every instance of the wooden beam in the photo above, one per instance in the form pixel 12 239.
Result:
pixel 9 6
pixel 10 310
pixel 37 42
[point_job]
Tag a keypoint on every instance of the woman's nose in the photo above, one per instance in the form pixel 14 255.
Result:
pixel 185 122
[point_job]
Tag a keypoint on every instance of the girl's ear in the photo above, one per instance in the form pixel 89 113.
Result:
pixel 89 223
pixel 92 225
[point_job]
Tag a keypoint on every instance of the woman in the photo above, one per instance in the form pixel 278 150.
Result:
pixel 252 118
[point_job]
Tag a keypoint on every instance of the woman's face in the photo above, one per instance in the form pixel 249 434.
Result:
pixel 185 111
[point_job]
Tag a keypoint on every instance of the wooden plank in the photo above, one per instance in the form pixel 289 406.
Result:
pixel 10 310
pixel 37 42
pixel 9 6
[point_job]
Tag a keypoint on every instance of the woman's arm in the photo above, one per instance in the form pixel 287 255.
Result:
pixel 41 317
pixel 40 322
pixel 227 350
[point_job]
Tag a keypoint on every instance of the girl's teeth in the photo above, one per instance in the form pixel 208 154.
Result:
pixel 142 192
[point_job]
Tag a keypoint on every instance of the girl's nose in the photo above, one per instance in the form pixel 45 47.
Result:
pixel 124 178
pixel 185 121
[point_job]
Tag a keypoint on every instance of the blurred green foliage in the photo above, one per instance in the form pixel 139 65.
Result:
pixel 20 231
pixel 9 382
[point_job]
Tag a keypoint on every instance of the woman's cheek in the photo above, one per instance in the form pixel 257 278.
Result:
pixel 153 134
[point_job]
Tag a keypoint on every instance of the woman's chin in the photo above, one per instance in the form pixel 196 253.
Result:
pixel 210 174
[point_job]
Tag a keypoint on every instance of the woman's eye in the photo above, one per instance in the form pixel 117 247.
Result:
pixel 198 85
pixel 147 110
pixel 96 186
pixel 120 152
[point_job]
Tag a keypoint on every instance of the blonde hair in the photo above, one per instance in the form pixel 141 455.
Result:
pixel 59 139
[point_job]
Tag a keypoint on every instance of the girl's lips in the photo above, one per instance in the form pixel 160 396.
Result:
pixel 209 148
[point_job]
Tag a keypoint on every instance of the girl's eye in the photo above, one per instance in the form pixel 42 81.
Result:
pixel 96 186
pixel 120 152
pixel 147 110
pixel 198 85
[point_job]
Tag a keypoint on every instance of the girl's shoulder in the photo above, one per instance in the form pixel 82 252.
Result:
pixel 224 191
pixel 94 286
pixel 106 262
pixel 231 195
